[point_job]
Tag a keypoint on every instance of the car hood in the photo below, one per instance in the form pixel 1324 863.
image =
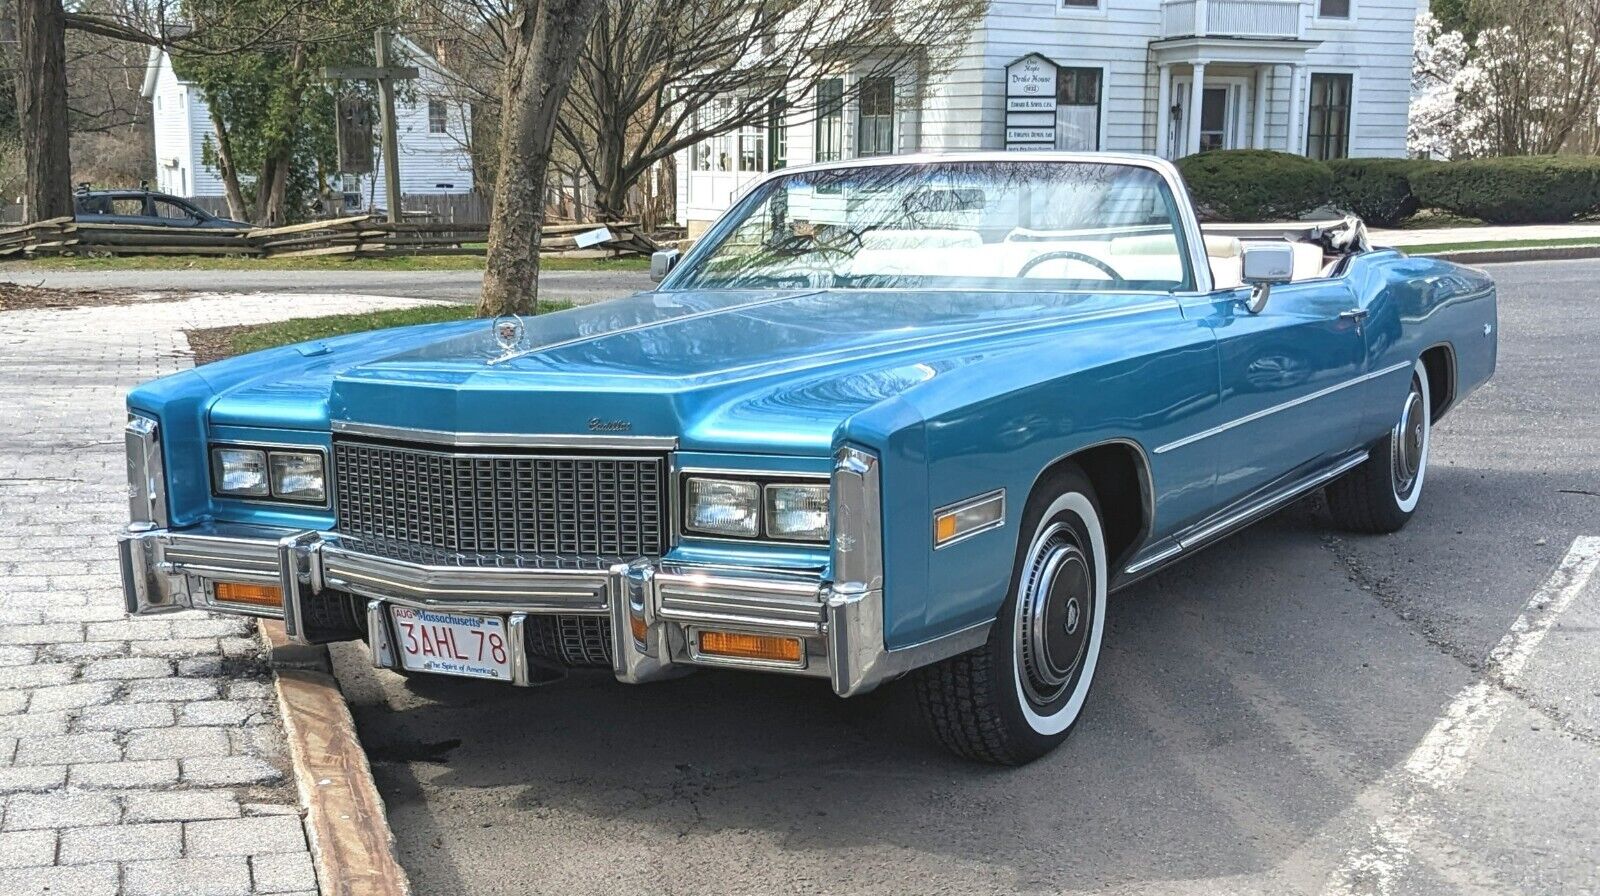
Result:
pixel 766 372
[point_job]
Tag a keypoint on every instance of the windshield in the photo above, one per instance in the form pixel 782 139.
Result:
pixel 951 225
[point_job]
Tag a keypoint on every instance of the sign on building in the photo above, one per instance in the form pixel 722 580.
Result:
pixel 1031 104
pixel 354 132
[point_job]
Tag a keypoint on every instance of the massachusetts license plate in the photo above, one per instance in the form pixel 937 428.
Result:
pixel 452 643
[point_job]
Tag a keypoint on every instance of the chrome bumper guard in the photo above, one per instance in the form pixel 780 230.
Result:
pixel 842 631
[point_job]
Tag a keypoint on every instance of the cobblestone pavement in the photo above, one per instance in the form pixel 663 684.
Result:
pixel 137 756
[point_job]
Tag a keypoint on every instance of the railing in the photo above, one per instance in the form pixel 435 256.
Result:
pixel 1278 19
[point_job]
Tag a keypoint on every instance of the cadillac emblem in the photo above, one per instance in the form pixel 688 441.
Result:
pixel 509 331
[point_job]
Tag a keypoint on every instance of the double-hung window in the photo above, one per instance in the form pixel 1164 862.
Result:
pixel 830 119
pixel 438 114
pixel 875 117
pixel 1328 127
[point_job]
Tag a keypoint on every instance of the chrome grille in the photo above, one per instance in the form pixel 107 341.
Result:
pixel 465 507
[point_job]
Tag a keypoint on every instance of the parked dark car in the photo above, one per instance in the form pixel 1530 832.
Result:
pixel 143 207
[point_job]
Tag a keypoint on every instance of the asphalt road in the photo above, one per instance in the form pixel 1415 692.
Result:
pixel 1292 711
pixel 461 286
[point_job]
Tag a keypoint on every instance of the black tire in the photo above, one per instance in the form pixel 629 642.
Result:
pixel 1020 695
pixel 1381 495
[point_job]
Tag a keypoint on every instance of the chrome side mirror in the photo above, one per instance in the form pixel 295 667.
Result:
pixel 662 263
pixel 1264 264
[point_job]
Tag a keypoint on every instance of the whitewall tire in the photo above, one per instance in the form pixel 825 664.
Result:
pixel 1380 495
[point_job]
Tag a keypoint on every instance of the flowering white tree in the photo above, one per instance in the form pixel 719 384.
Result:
pixel 1525 85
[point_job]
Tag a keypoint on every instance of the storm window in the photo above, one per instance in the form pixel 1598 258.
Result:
pixel 875 117
pixel 830 119
pixel 1328 130
pixel 1077 108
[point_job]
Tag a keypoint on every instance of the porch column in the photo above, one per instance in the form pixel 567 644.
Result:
pixel 1163 146
pixel 1197 95
pixel 1258 123
pixel 1291 141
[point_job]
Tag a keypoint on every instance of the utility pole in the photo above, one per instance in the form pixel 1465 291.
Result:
pixel 385 75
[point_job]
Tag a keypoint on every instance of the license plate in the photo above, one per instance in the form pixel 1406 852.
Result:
pixel 453 643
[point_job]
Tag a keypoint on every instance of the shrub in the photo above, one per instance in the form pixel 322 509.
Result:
pixel 1254 184
pixel 1513 189
pixel 1377 190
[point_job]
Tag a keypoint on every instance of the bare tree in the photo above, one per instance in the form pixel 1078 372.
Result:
pixel 549 36
pixel 658 76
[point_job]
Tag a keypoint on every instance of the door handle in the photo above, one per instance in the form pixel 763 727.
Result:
pixel 1356 314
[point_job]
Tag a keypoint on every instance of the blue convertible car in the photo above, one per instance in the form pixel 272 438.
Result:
pixel 910 416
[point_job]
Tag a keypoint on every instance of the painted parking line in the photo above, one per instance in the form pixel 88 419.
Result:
pixel 1443 756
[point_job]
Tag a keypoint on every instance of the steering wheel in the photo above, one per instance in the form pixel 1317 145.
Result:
pixel 1089 260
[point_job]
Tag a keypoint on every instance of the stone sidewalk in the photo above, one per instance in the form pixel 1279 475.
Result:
pixel 137 756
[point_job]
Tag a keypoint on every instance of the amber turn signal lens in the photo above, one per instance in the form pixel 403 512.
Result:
pixel 750 647
pixel 636 623
pixel 945 528
pixel 254 595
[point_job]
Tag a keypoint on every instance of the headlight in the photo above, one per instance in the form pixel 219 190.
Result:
pixel 265 473
pixel 797 512
pixel 722 507
pixel 298 476
pixel 239 472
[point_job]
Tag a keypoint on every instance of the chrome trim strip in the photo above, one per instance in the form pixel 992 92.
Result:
pixel 1292 403
pixel 1170 551
pixel 1266 504
pixel 505 440
pixel 783 605
pixel 473 589
pixel 147 481
pixel 998 494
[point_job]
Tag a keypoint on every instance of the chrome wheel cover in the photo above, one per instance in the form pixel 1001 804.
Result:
pixel 1408 442
pixel 1056 608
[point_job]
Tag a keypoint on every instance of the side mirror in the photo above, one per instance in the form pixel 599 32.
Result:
pixel 1264 264
pixel 662 263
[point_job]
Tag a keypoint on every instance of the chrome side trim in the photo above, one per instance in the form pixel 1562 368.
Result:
pixel 506 440
pixel 998 495
pixel 1292 403
pixel 1205 532
pixel 147 480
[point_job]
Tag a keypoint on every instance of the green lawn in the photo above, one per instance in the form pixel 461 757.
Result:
pixel 315 263
pixel 1431 248
pixel 224 342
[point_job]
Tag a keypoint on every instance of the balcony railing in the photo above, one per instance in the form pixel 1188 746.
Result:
pixel 1279 19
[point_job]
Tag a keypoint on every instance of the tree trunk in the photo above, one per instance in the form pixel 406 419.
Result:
pixel 550 37
pixel 41 75
pixel 229 172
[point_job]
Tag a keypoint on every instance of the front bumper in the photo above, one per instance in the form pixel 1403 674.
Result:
pixel 841 627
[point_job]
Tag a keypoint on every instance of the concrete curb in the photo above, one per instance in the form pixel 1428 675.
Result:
pixel 1524 253
pixel 348 829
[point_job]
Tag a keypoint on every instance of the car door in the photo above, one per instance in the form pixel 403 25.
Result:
pixel 1285 405
pixel 173 214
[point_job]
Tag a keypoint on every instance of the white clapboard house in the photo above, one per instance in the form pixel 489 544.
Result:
pixel 432 128
pixel 1322 78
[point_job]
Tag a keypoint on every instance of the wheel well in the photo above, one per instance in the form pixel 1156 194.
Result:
pixel 1440 362
pixel 1121 479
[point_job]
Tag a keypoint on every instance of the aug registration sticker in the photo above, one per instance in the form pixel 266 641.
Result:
pixel 452 643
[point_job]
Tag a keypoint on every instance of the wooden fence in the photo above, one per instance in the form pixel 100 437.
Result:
pixel 360 236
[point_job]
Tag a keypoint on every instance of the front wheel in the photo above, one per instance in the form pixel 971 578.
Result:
pixel 1018 697
pixel 1380 495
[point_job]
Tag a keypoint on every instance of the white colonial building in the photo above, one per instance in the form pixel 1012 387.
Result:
pixel 433 132
pixel 1322 78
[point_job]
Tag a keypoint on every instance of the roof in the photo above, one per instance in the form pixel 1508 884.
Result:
pixel 157 56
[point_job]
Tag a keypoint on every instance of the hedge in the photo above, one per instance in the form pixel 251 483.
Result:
pixel 1379 191
pixel 1513 189
pixel 1255 184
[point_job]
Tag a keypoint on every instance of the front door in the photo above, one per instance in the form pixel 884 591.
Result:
pixel 1219 116
pixel 1289 401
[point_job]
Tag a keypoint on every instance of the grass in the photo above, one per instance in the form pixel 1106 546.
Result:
pixel 317 263
pixel 1430 248
pixel 225 342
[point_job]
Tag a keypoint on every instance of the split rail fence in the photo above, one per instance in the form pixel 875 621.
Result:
pixel 354 237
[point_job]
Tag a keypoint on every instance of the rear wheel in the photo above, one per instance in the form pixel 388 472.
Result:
pixel 1380 495
pixel 1018 697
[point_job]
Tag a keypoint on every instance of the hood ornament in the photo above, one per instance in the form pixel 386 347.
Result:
pixel 511 334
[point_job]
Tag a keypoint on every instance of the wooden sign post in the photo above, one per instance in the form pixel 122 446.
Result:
pixel 385 75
